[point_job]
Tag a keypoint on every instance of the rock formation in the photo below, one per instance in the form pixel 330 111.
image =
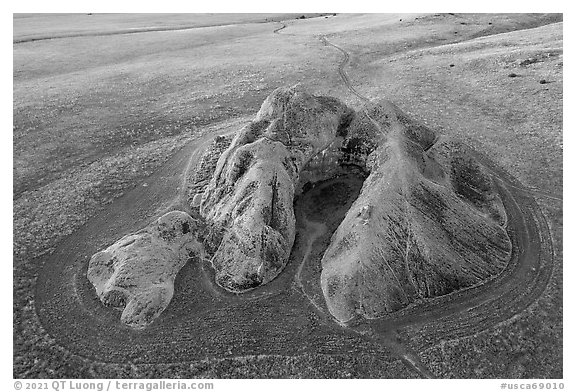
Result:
pixel 137 272
pixel 250 197
pixel 427 222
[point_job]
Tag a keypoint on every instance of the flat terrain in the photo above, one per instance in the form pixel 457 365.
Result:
pixel 110 111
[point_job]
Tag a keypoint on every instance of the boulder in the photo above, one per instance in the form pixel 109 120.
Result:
pixel 137 272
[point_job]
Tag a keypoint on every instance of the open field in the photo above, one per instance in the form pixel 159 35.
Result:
pixel 35 27
pixel 106 121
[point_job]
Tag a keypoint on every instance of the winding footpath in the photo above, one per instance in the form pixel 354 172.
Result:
pixel 341 69
pixel 277 31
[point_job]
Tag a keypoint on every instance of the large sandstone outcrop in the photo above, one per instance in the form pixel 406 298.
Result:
pixel 137 272
pixel 427 222
pixel 250 196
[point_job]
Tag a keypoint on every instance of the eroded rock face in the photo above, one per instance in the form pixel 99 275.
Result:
pixel 427 222
pixel 250 197
pixel 137 272
pixel 198 179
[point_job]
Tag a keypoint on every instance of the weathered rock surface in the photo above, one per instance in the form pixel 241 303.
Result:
pixel 250 197
pixel 198 179
pixel 427 222
pixel 137 272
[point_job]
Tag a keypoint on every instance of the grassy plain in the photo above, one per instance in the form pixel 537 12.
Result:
pixel 103 101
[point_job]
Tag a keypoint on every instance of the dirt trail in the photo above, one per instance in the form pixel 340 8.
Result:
pixel 342 71
pixel 530 191
pixel 314 231
pixel 277 31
